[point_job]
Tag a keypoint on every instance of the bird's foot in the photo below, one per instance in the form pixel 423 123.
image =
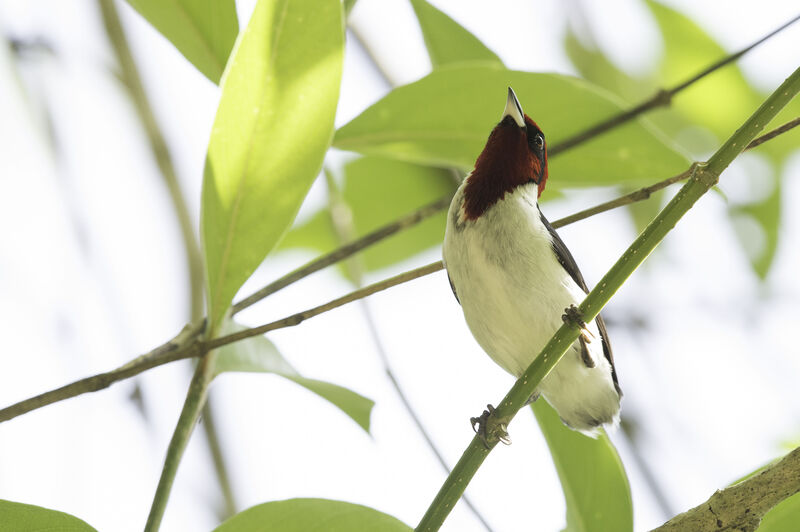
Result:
pixel 490 429
pixel 573 315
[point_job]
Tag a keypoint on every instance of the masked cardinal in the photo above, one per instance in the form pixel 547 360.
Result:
pixel 514 277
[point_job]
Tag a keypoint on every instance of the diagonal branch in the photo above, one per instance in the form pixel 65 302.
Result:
pixel 742 506
pixel 183 346
pixel 703 177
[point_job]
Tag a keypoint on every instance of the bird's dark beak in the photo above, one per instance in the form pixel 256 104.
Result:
pixel 514 109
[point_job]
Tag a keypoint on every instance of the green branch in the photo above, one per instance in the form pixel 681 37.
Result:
pixel 702 178
pixel 195 400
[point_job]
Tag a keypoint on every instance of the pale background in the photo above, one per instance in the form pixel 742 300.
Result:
pixel 92 274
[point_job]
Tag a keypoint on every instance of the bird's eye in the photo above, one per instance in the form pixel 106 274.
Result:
pixel 538 141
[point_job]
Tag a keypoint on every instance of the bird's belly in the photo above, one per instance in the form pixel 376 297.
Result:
pixel 512 312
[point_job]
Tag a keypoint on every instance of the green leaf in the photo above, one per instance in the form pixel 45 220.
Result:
pixel 315 233
pixel 725 98
pixel 378 191
pixel 593 65
pixel 783 517
pixel 311 515
pixel 273 126
pixel 259 355
pixel 760 249
pixel 447 41
pixel 595 486
pixel 28 518
pixel 445 118
pixel 202 30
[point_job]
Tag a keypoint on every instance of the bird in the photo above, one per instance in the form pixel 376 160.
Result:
pixel 517 282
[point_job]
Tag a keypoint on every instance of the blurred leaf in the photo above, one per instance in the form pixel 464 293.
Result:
pixel 379 191
pixel 722 100
pixel 445 118
pixel 593 65
pixel 447 41
pixel 767 215
pixel 316 233
pixel 784 517
pixel 271 132
pixel 643 212
pixel 595 486
pixel 311 515
pixel 259 355
pixel 202 30
pixel 28 518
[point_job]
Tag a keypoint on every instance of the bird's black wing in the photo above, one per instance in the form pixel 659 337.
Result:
pixel 453 288
pixel 568 262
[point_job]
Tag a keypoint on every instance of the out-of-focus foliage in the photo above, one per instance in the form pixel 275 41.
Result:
pixel 445 118
pixel 311 515
pixel 700 117
pixel 447 41
pixel 377 191
pixel 259 355
pixel 203 30
pixel 28 518
pixel 784 517
pixel 595 485
pixel 272 130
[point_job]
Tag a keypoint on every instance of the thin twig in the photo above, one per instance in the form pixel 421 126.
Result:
pixel 178 350
pixel 344 252
pixel 774 133
pixel 662 98
pixel 645 192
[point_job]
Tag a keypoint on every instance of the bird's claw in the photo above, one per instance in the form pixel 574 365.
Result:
pixel 572 314
pixel 489 429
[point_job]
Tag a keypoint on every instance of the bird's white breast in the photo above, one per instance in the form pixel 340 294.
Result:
pixel 514 291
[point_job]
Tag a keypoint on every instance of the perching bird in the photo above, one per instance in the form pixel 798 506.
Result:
pixel 514 277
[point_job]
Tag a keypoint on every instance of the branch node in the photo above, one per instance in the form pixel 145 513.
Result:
pixel 701 173
pixel 662 98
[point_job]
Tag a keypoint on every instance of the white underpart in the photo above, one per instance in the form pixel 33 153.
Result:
pixel 514 291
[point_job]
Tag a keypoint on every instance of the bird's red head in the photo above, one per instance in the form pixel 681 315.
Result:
pixel 515 154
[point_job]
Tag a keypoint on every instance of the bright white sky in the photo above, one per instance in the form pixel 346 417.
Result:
pixel 91 274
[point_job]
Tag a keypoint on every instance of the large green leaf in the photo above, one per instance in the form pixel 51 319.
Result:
pixel 447 41
pixel 377 191
pixel 311 515
pixel 259 355
pixel 202 30
pixel 445 118
pixel 273 126
pixel 28 518
pixel 595 486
